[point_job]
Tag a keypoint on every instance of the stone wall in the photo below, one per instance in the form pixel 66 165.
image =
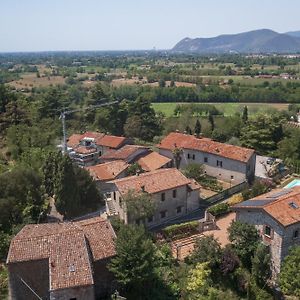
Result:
pixel 78 293
pixel 33 273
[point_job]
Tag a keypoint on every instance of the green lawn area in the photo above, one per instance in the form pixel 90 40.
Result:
pixel 228 108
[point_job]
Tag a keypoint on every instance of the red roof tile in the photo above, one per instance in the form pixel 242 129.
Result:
pixel 186 141
pixel 111 141
pixel 153 161
pixel 85 150
pixel 123 153
pixel 108 171
pixel 65 246
pixel 152 182
pixel 278 204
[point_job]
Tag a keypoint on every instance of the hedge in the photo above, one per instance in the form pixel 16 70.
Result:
pixel 219 209
pixel 181 230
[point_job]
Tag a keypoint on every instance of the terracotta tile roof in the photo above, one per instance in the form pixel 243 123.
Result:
pixel 108 171
pixel 100 236
pixel 282 204
pixel 112 141
pixel 153 161
pixel 186 141
pixel 152 182
pixel 194 185
pixel 75 139
pixel 123 153
pixel 85 150
pixel 66 247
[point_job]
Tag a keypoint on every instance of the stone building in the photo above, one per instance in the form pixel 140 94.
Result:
pixel 173 195
pixel 276 215
pixel 225 162
pixel 61 261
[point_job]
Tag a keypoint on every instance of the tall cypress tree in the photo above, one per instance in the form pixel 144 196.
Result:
pixel 188 129
pixel 198 127
pixel 245 114
pixel 211 121
pixel 67 199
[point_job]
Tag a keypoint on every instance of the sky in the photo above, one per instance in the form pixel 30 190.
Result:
pixel 51 25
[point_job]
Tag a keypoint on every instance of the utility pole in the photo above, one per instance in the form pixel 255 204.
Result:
pixel 67 112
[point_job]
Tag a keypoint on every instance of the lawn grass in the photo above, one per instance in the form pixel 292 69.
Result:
pixel 227 108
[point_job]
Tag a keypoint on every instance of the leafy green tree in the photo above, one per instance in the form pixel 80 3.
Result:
pixel 134 169
pixel 261 265
pixel 197 129
pixel 142 116
pixel 139 206
pixel 244 239
pixel 195 171
pixel 198 280
pixel 162 83
pixel 135 260
pixel 207 249
pixel 289 277
pixel 262 133
pixel 229 261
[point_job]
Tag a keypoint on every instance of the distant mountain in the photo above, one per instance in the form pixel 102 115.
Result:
pixel 293 33
pixel 257 41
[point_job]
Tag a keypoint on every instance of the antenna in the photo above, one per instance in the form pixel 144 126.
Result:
pixel 67 112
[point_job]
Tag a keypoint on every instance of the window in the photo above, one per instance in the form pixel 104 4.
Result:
pixel 231 177
pixel 163 214
pixel 150 219
pixel 296 234
pixel 73 298
pixel 219 163
pixel 178 209
pixel 114 195
pixel 205 159
pixel 174 193
pixel 268 231
pixel 189 156
pixel 193 156
pixel 163 197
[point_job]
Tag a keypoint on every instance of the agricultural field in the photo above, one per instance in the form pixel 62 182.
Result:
pixel 28 81
pixel 227 108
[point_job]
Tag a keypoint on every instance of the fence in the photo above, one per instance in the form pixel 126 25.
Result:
pixel 226 193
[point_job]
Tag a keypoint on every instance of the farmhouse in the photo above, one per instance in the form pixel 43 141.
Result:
pixel 173 195
pixel 225 162
pixel 102 173
pixel 277 217
pixel 61 260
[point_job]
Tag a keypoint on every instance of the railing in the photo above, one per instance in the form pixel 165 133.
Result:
pixel 226 193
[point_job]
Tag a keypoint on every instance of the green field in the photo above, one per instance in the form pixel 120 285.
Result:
pixel 227 108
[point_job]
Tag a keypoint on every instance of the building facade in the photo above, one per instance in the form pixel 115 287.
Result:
pixel 225 162
pixel 276 215
pixel 173 195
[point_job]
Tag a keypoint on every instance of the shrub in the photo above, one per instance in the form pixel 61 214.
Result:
pixel 235 199
pixel 178 230
pixel 219 209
